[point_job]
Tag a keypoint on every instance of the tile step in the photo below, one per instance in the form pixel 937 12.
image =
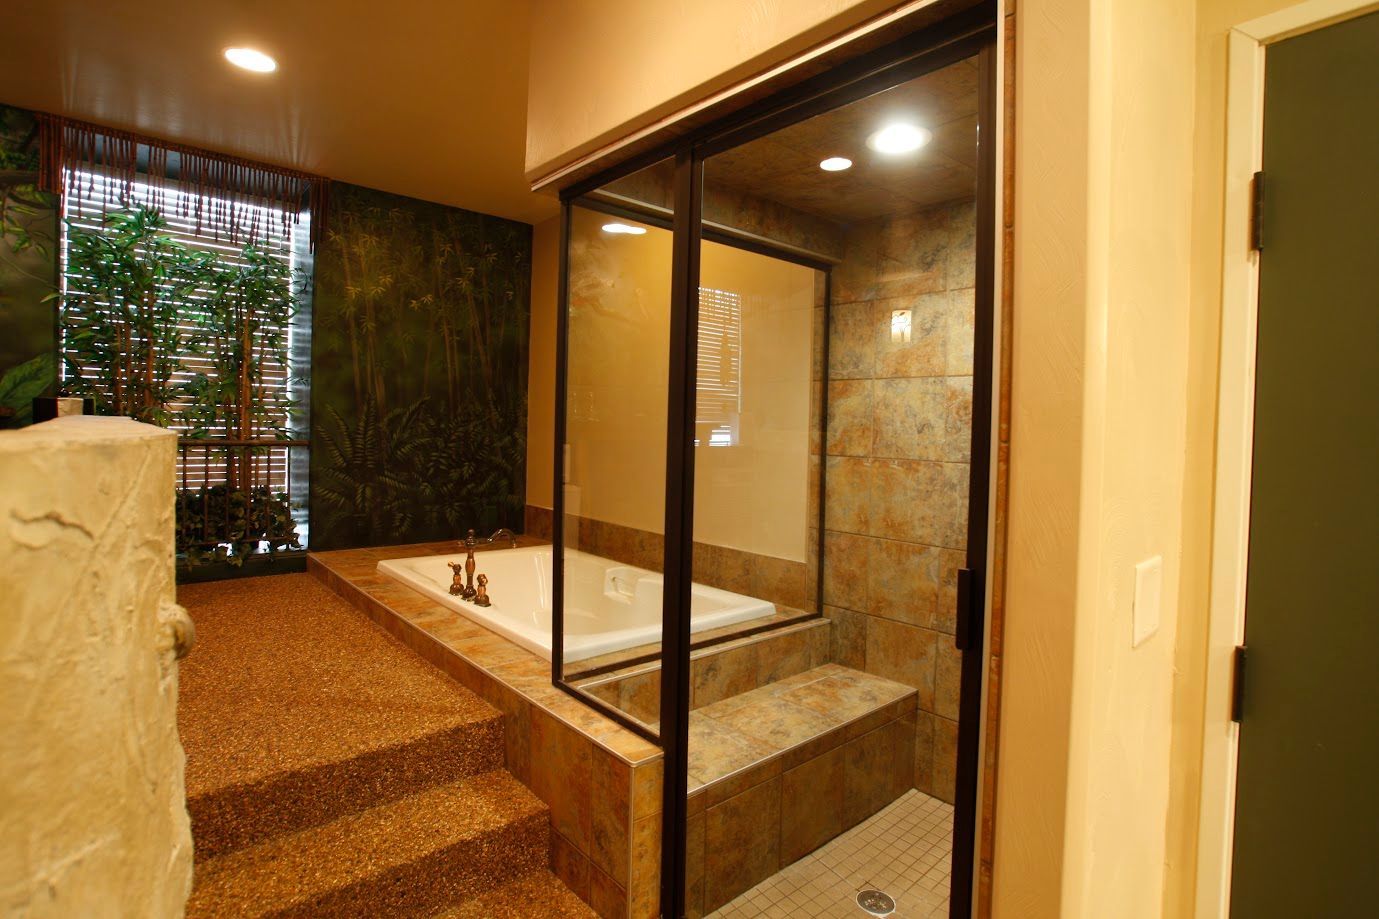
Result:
pixel 791 720
pixel 413 856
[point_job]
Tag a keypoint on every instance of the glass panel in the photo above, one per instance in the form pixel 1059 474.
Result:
pixel 618 326
pixel 810 726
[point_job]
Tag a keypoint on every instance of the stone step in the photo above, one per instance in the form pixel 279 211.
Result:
pixel 235 816
pixel 538 893
pixel 433 850
pixel 295 711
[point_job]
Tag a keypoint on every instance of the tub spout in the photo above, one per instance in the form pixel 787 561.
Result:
pixel 503 533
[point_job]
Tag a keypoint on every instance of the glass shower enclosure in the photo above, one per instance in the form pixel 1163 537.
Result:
pixel 773 418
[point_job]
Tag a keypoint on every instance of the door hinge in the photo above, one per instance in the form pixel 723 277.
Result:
pixel 1238 685
pixel 1257 212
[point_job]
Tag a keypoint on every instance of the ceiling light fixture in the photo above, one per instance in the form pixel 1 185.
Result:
pixel 623 228
pixel 836 164
pixel 899 137
pixel 249 59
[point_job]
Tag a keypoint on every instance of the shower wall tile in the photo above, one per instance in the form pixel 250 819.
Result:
pixel 903 581
pixel 911 419
pixel 850 418
pixel 924 752
pixel 945 759
pixel 959 331
pixel 914 253
pixel 856 279
pixel 903 653
pixel 898 485
pixel 848 485
pixel 947 676
pixel 924 353
pixel 957 420
pixel 852 341
pixel 849 639
pixel 846 574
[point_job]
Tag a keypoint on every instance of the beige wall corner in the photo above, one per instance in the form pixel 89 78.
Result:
pixel 1102 295
pixel 545 281
pixel 93 818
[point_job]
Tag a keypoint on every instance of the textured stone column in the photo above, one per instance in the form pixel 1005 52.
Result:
pixel 93 816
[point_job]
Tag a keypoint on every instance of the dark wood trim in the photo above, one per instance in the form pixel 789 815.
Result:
pixel 562 354
pixel 679 530
pixel 968 773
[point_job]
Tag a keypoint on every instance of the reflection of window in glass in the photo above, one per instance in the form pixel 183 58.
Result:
pixel 719 376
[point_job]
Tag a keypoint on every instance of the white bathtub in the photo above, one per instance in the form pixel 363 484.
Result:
pixel 609 606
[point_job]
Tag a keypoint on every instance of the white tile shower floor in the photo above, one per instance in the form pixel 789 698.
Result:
pixel 905 850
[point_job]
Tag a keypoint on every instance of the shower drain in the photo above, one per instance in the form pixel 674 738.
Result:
pixel 876 902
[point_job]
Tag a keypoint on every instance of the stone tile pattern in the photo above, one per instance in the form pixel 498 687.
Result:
pixel 905 850
pixel 600 781
pixel 778 771
pixel 782 581
pixel 897 462
pixel 720 670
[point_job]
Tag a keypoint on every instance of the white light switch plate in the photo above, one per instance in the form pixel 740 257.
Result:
pixel 1149 579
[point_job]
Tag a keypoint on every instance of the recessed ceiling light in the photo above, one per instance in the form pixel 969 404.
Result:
pixel 249 59
pixel 836 164
pixel 623 228
pixel 899 137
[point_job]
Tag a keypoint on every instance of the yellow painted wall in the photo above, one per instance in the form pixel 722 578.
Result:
pixel 752 496
pixel 1102 290
pixel 601 68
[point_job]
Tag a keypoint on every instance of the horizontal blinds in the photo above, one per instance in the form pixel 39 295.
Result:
pixel 718 375
pixel 199 465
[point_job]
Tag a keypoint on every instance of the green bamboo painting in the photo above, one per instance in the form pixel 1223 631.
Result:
pixel 419 372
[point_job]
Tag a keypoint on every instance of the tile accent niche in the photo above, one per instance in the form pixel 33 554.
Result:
pixel 898 456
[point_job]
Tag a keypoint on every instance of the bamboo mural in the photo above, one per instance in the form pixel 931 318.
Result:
pixel 419 371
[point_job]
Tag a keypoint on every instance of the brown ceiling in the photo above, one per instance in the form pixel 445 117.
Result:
pixel 784 166
pixel 419 98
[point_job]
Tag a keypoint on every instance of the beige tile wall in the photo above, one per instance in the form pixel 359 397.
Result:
pixel 898 463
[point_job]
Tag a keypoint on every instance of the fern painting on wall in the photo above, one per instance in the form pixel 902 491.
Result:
pixel 419 372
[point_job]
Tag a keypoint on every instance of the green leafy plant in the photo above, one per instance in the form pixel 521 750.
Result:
pixel 140 307
pixel 22 383
pixel 130 291
pixel 222 524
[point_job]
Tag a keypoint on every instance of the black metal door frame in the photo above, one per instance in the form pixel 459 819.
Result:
pixel 965 35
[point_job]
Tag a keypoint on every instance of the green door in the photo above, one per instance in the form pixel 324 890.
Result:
pixel 1307 811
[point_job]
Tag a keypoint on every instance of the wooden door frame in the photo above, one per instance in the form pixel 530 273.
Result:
pixel 1235 428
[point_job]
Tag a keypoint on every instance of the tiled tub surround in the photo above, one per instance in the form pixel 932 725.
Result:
pixel 721 670
pixel 898 461
pixel 781 581
pixel 786 752
pixel 601 781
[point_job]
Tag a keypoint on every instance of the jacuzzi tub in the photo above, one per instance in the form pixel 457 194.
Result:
pixel 609 606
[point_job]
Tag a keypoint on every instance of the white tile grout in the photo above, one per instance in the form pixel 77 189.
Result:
pixel 904 850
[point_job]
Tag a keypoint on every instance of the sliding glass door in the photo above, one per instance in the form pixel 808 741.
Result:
pixel 774 411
